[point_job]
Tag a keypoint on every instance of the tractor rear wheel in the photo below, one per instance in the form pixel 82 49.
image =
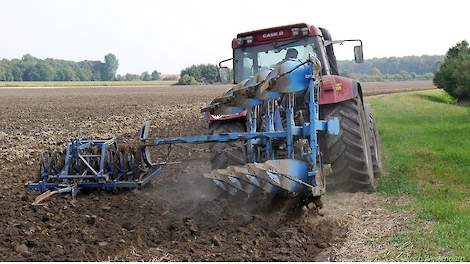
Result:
pixel 375 149
pixel 349 153
pixel 227 153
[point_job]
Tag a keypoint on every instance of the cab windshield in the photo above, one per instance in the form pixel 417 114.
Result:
pixel 250 60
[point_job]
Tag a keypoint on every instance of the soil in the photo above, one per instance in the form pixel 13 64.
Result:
pixel 181 216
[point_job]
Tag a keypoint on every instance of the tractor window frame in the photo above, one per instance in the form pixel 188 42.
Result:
pixel 241 72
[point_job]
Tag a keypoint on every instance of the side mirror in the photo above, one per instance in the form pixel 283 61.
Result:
pixel 358 55
pixel 224 75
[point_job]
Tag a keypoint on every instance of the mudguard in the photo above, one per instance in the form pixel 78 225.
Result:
pixel 335 89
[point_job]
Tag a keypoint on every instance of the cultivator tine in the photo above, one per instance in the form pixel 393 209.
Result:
pixel 43 196
pixel 270 177
pixel 248 183
pixel 222 180
pixel 144 131
pixel 287 174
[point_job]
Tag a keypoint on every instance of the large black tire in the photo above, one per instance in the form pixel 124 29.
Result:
pixel 375 148
pixel 230 153
pixel 349 152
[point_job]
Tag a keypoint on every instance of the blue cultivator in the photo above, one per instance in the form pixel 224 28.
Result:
pixel 280 141
pixel 93 164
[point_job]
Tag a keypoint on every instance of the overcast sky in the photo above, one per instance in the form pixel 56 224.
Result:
pixel 170 35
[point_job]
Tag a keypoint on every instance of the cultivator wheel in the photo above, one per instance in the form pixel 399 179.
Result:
pixel 136 166
pixel 88 164
pixel 126 163
pixel 113 164
pixel 126 158
pixel 51 162
pixel 349 153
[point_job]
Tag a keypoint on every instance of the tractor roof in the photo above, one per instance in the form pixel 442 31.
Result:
pixel 281 33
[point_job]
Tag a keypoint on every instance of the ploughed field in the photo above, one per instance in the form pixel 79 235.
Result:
pixel 181 216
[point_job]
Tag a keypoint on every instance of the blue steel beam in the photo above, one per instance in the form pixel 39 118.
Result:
pixel 332 126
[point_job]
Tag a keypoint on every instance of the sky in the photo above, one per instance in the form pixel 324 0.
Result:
pixel 169 35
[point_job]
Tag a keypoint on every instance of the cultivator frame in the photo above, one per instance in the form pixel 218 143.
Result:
pixel 261 96
pixel 91 164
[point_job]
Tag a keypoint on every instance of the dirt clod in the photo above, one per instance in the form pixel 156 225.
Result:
pixel 22 248
pixel 216 241
pixel 90 219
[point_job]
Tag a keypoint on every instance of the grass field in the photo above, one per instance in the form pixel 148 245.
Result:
pixel 85 83
pixel 426 144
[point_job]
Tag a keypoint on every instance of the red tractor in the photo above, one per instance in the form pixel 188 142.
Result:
pixel 354 154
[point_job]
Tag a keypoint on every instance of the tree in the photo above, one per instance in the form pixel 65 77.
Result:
pixel 98 72
pixel 45 72
pixel 131 77
pixel 428 76
pixel 66 74
pixel 3 73
pixel 376 72
pixel 202 73
pixel 156 75
pixel 405 75
pixel 17 72
pixel 145 76
pixel 120 77
pixel 84 70
pixel 187 80
pixel 454 72
pixel 110 67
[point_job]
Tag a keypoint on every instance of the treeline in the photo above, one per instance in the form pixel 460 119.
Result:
pixel 145 76
pixel 30 68
pixel 414 65
pixel 377 76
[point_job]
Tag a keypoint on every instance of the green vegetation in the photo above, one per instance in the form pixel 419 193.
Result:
pixel 86 83
pixel 392 68
pixel 454 74
pixel 145 76
pixel 30 68
pixel 377 76
pixel 427 154
pixel 202 74
pixel 187 80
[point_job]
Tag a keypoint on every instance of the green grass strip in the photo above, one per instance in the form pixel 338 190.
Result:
pixel 426 144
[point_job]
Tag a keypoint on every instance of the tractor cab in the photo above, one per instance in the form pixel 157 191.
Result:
pixel 266 48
